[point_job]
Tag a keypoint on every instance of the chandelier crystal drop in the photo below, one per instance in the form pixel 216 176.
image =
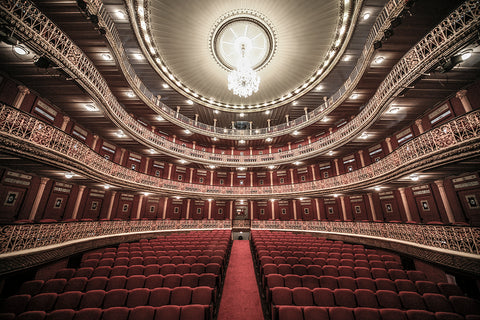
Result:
pixel 243 81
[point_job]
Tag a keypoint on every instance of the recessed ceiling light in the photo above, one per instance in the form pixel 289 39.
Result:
pixel 393 110
pixel 69 175
pixel 295 103
pixel 267 112
pixel 120 134
pixel 241 168
pixel 347 57
pixel 215 139
pixel 120 14
pixel 273 200
pixel 187 131
pixel 325 119
pixel 379 60
pixel 295 133
pixel 107 56
pixel 364 135
pixel 106 187
pixel 297 163
pixel 271 167
pixel 335 195
pixel 165 86
pixel 211 166
pixel 146 193
pixel 366 16
pixel 466 55
pixel 91 107
pixel 377 188
pixel 21 50
pixel 182 161
pixel 152 151
pixel 216 111
pixel 159 118
pixel 242 115
pixel 138 56
pixel 354 96
pixel 241 141
pixel 269 139
pixel 190 102
pixel 319 87
pixel 414 177
pixel 330 153
pixel 130 94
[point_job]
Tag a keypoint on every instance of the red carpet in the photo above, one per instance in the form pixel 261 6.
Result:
pixel 240 298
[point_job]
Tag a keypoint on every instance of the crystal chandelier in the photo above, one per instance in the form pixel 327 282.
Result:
pixel 243 80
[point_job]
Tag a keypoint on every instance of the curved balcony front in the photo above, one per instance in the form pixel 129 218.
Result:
pixel 22 134
pixel 451 34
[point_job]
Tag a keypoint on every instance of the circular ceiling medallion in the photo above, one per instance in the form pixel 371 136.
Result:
pixel 242 29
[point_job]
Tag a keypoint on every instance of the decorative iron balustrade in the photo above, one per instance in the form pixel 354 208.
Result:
pixel 23 134
pixel 391 10
pixel 454 238
pixel 18 237
pixel 456 30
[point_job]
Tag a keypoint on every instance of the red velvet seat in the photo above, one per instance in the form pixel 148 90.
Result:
pixel 42 301
pixel 323 297
pixel 292 281
pixel 117 282
pixel 346 283
pixel 65 273
pixel 412 300
pixel 330 270
pixel 346 271
pixel 142 313
pixel 119 271
pixel 54 285
pixel 193 312
pixel 275 280
pixel 68 300
pixel 32 315
pixel 159 297
pixel 167 269
pixel 448 316
pixel 289 260
pixel 315 313
pixel 207 280
pixel 153 281
pixel 393 265
pixel 290 313
pixel 340 313
pixel 92 299
pixel 136 281
pixel 405 285
pixel 190 280
pixel 172 280
pixel 362 272
pixel 366 314
pixel 302 297
pixel 199 268
pixel 379 273
pixel 420 315
pixel 181 296
pixel 426 287
pixel 284 269
pixel 213 267
pixel 395 274
pixel 115 313
pixel 16 304
pixel 90 263
pixel 465 306
pixel 345 298
pixel 103 271
pixel 319 261
pixel 366 298
pixel 134 261
pixel 388 299
pixel 449 289
pixel 31 287
pixel 385 284
pixel 392 314
pixel 106 262
pixel 65 314
pixel 135 270
pixel 281 296
pixel 437 302
pixel 310 281
pixel 315 270
pixel 115 298
pixel 96 283
pixel 138 297
pixel 328 282
pixel 202 295
pixel 167 313
pixel 76 284
pixel 366 283
pixel 415 275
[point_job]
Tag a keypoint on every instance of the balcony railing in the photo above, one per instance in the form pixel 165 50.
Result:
pixel 24 134
pixel 452 33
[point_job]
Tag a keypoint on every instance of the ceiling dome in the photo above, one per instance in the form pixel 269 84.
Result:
pixel 295 43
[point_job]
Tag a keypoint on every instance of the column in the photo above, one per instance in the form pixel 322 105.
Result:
pixel 139 208
pixel 196 118
pixel 169 176
pixel 419 125
pixel 309 139
pixel 110 205
pixel 213 148
pixel 445 201
pixel 209 209
pixel 165 203
pixel 231 209
pixel 231 179
pixel 271 178
pixel 289 145
pixel 251 179
pixel 187 215
pixel 287 119
pixel 306 112
pixel 250 214
pixel 211 178
pixel 372 207
pixel 344 209
pixel 38 198
pixel 291 176
pixel 122 155
pixel 272 203
pixel 232 149
pixel 22 92
pixel 337 169
pixel 174 138
pixel 389 144
pixel 294 209
pixel 191 175
pixel 268 123
pixel 233 125
pixel 81 189
pixel 147 164
pixel 462 95
pixel 405 203
pixel 178 111
pixel 66 119
pixel 269 149
pixel 194 144
pixel 317 206
pixel 95 141
pixel 251 151
pixel 313 172
pixel 362 160
pixel 214 123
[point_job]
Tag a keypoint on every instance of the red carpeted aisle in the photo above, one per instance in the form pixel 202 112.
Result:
pixel 240 298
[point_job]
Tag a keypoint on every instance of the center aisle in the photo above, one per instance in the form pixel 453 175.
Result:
pixel 240 297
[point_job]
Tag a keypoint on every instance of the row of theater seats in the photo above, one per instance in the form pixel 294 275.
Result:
pixel 343 313
pixel 83 284
pixel 189 312
pixel 130 277
pixel 354 278
pixel 380 299
pixel 294 281
pixel 76 300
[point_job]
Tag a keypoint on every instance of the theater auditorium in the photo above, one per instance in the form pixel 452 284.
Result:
pixel 240 159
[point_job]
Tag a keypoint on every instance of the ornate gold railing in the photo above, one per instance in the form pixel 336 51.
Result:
pixel 21 133
pixel 460 239
pixel 15 238
pixel 456 30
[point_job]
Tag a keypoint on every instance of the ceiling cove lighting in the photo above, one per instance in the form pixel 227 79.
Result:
pixel 20 50
pixel 91 107
pixel 69 175
pixel 414 177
